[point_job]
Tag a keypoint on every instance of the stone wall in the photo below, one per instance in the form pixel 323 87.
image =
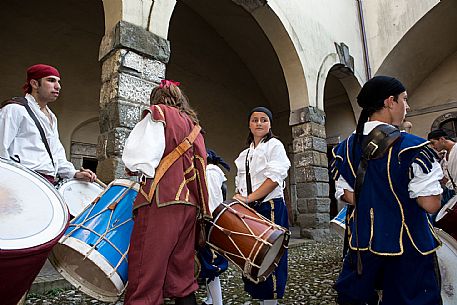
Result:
pixel 133 63
pixel 311 173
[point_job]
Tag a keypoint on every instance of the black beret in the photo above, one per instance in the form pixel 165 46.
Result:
pixel 377 89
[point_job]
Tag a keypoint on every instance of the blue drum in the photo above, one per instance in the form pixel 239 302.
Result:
pixel 338 224
pixel 92 255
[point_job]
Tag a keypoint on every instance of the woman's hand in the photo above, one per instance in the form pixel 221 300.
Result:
pixel 239 197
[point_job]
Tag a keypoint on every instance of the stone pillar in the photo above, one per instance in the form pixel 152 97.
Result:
pixel 311 173
pixel 133 62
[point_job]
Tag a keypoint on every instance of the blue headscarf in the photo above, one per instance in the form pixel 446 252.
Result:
pixel 213 158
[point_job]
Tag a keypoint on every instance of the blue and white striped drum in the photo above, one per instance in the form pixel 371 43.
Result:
pixel 338 224
pixel 92 255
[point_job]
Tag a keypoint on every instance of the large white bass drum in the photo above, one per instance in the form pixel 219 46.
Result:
pixel 447 260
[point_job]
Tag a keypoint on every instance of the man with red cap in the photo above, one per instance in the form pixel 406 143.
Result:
pixel 20 138
pixel 29 136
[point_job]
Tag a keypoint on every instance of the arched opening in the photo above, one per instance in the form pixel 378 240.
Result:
pixel 217 59
pixel 447 122
pixel 340 118
pixel 64 34
pixel 425 60
pixel 83 148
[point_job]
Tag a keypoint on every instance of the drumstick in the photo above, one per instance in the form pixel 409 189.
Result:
pixel 96 180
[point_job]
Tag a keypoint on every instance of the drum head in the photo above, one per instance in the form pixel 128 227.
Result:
pixel 338 224
pixel 447 256
pixel 448 206
pixel 79 194
pixel 31 211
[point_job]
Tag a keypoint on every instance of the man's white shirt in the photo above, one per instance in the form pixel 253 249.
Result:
pixel 19 136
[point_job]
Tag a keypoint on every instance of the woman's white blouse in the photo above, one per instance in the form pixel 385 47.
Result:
pixel 267 160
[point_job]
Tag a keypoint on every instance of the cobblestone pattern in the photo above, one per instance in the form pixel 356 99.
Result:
pixel 313 268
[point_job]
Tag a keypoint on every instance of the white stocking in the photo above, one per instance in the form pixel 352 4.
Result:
pixel 214 291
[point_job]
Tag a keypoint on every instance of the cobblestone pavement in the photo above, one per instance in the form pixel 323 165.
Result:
pixel 313 267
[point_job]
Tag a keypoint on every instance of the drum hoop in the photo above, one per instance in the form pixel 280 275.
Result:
pixel 283 248
pixel 99 260
pixel 49 189
pixel 447 238
pixel 449 205
pixel 126 183
pixel 71 181
pixel 75 210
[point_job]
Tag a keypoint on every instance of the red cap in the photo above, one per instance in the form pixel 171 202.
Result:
pixel 37 72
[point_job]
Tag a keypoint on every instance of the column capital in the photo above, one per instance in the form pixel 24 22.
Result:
pixel 306 115
pixel 128 36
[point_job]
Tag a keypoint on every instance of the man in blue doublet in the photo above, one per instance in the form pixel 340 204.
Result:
pixel 392 243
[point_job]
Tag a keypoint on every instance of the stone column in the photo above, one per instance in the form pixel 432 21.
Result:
pixel 311 173
pixel 133 62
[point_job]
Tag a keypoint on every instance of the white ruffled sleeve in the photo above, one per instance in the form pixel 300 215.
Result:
pixel 277 162
pixel 145 146
pixel 425 184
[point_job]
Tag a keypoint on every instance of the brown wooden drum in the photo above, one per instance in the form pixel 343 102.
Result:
pixel 247 239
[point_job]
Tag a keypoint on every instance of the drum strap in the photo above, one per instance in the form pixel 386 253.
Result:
pixel 452 180
pixel 375 146
pixel 168 161
pixel 23 101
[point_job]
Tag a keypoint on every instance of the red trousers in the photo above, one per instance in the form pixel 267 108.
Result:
pixel 161 254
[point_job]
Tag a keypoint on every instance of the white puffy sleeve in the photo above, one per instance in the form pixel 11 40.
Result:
pixel 9 126
pixel 145 146
pixel 277 162
pixel 425 184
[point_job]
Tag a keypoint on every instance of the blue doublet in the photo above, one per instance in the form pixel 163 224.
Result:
pixel 395 236
pixel 384 196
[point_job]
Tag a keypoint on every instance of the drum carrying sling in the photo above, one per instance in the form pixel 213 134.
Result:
pixel 374 146
pixel 23 102
pixel 168 161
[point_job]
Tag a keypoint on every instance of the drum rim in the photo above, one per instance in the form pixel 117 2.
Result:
pixel 126 183
pixel 87 252
pixel 443 235
pixel 57 204
pixel 282 249
pixel 76 210
pixel 443 211
pixel 449 242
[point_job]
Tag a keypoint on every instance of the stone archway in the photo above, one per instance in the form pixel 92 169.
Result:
pixel 425 60
pixel 340 90
pixel 84 144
